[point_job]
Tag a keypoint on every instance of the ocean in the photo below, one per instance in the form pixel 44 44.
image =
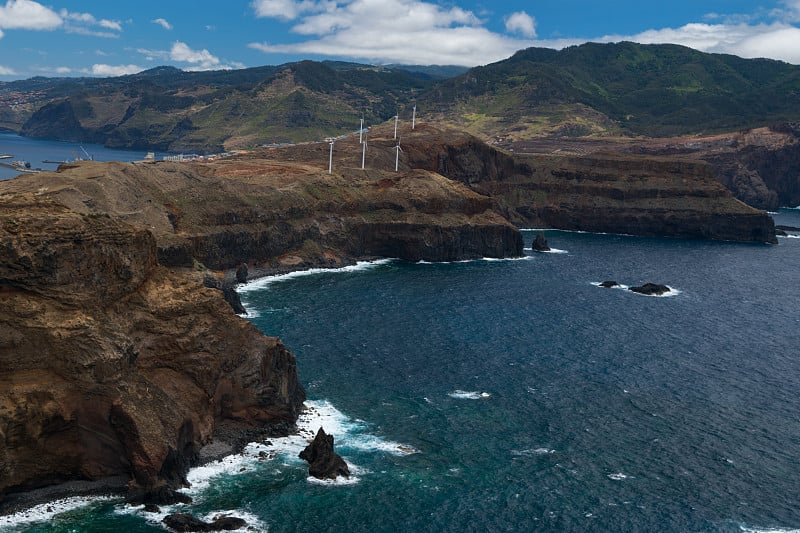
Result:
pixel 517 395
pixel 36 151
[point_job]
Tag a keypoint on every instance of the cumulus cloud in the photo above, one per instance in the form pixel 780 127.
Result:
pixel 199 59
pixel 183 53
pixel 5 71
pixel 163 23
pixel 776 40
pixel 28 15
pixel 114 70
pixel 289 9
pixel 393 31
pixel 84 24
pixel 521 23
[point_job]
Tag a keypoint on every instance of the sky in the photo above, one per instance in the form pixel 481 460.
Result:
pixel 116 37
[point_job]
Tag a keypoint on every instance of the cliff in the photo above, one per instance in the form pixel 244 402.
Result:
pixel 598 192
pixel 281 209
pixel 113 365
pixel 116 358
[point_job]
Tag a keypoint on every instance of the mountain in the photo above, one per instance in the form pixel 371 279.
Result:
pixel 168 109
pixel 621 88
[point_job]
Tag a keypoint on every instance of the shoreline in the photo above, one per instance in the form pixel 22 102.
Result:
pixel 228 440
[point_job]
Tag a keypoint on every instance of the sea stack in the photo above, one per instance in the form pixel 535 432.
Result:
pixel 540 243
pixel 323 462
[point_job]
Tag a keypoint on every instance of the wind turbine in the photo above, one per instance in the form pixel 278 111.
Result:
pixel 361 130
pixel 414 117
pixel 330 159
pixel 395 126
pixel 363 152
pixel 397 156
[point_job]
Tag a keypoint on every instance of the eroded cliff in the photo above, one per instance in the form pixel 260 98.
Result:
pixel 112 364
pixel 598 192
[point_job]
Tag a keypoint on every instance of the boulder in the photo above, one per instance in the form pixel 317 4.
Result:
pixel 540 243
pixel 323 462
pixel 186 522
pixel 609 284
pixel 651 289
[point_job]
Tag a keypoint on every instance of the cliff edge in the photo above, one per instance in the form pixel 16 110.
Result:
pixel 113 365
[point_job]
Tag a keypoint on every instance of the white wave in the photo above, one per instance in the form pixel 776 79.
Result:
pixel 533 451
pixel 482 259
pixel 618 286
pixel 253 522
pixel 261 283
pixel 619 476
pixel 495 259
pixel 47 511
pixel 767 530
pixel 469 395
pixel 789 236
pixel 555 251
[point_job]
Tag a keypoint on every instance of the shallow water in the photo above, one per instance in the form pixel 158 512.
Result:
pixel 517 395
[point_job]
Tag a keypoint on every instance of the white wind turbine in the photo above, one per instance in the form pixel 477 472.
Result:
pixel 361 131
pixel 414 117
pixel 363 152
pixel 397 156
pixel 395 126
pixel 330 159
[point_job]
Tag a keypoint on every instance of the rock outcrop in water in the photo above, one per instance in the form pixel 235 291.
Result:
pixel 323 462
pixel 651 289
pixel 540 243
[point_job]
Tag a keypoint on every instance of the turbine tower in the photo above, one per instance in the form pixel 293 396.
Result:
pixel 397 156
pixel 395 126
pixel 363 152
pixel 330 159
pixel 414 117
pixel 361 131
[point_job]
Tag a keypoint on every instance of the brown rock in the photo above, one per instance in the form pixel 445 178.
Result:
pixel 323 462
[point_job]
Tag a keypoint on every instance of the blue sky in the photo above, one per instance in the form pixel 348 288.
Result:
pixel 104 38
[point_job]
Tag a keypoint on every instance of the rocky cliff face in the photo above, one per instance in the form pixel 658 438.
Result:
pixel 113 365
pixel 600 192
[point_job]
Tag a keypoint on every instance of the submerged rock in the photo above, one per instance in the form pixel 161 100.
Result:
pixel 323 462
pixel 540 243
pixel 609 284
pixel 651 289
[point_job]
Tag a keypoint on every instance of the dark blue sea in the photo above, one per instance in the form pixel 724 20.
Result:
pixel 517 395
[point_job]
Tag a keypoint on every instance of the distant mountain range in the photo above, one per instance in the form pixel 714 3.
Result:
pixel 592 89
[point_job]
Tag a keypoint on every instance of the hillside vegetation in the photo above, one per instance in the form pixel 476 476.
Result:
pixel 588 90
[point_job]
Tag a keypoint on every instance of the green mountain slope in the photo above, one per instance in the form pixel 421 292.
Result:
pixel 654 90
pixel 168 109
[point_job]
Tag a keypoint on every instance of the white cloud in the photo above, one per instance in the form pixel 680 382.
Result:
pixel 776 40
pixel 63 70
pixel 288 9
pixel 5 71
pixel 395 31
pixel 163 23
pixel 428 32
pixel 83 24
pixel 114 70
pixel 521 23
pixel 200 59
pixel 28 15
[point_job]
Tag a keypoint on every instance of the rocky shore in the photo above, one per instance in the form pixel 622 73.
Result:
pixel 121 358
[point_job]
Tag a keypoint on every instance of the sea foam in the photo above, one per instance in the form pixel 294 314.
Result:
pixel 47 511
pixel 469 395
pixel 262 283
